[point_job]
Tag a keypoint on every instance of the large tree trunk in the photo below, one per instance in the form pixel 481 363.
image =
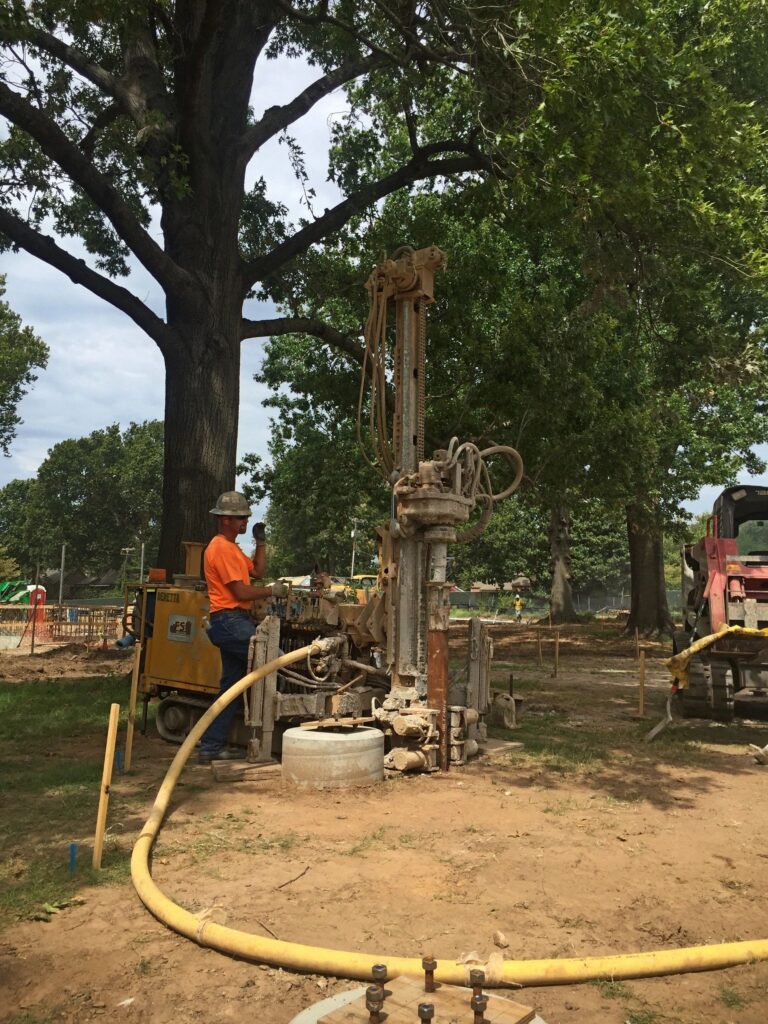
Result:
pixel 202 365
pixel 202 379
pixel 561 599
pixel 202 199
pixel 649 612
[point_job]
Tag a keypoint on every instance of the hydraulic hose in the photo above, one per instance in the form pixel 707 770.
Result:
pixel 318 960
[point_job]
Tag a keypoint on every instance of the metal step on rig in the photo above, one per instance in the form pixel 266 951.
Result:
pixel 388 666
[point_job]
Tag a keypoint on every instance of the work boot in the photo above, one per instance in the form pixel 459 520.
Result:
pixel 225 754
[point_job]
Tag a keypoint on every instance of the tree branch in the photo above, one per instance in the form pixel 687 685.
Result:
pixel 67 54
pixel 55 144
pixel 105 117
pixel 47 250
pixel 415 48
pixel 419 167
pixel 275 119
pixel 304 325
pixel 123 90
pixel 328 19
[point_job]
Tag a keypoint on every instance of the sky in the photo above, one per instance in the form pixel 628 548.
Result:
pixel 103 369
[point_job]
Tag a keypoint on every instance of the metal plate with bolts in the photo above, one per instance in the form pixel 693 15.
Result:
pixel 451 1002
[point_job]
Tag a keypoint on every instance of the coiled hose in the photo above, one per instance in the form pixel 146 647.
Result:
pixel 317 960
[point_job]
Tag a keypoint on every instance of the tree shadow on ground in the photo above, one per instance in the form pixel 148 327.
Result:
pixel 613 758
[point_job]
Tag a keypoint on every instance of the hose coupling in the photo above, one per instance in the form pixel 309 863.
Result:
pixel 324 646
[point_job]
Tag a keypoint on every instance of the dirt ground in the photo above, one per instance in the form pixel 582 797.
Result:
pixel 70 661
pixel 653 847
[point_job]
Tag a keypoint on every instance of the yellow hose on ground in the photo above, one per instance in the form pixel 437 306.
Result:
pixel 317 960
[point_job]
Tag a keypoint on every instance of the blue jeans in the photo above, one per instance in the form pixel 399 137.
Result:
pixel 230 631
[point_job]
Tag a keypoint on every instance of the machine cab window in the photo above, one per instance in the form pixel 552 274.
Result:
pixel 752 537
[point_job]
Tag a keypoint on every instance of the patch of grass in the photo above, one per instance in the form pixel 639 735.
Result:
pixel 613 800
pixel 645 1015
pixel 28 1017
pixel 50 792
pixel 205 844
pixel 549 740
pixel 732 998
pixel 224 833
pixel 46 710
pixel 557 738
pixel 735 885
pixel 25 886
pixel 573 922
pixel 562 807
pixel 282 843
pixel 144 966
pixel 611 989
pixel 365 843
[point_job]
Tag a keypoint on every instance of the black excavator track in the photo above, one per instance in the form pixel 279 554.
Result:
pixel 710 691
pixel 176 714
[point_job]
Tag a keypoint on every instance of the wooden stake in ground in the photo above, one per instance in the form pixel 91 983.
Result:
pixel 106 780
pixel 641 702
pixel 132 707
pixel 541 656
pixel 33 606
pixel 557 654
pixel 637 644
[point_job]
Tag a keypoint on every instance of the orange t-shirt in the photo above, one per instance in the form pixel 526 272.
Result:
pixel 225 563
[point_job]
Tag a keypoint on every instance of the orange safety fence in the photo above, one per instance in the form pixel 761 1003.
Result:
pixel 54 624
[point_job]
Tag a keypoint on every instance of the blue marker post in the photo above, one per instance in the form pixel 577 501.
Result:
pixel 119 761
pixel 72 857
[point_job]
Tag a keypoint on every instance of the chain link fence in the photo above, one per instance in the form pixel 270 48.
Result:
pixel 495 602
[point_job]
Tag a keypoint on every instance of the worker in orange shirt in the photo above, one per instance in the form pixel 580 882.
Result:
pixel 228 573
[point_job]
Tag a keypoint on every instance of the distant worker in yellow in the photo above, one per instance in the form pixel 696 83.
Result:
pixel 228 574
pixel 518 608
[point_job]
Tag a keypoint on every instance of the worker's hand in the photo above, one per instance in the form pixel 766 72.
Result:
pixel 259 533
pixel 279 589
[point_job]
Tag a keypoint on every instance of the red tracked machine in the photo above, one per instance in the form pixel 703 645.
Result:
pixel 725 583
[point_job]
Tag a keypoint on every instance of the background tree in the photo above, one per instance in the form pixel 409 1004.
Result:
pixel 636 388
pixel 688 408
pixel 510 358
pixel 15 505
pixel 9 568
pixel 318 486
pixel 21 351
pixel 515 544
pixel 97 494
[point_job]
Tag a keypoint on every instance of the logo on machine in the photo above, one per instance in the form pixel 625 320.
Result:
pixel 180 628
pixel 164 595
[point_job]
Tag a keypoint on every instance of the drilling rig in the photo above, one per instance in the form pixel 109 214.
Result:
pixel 389 664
